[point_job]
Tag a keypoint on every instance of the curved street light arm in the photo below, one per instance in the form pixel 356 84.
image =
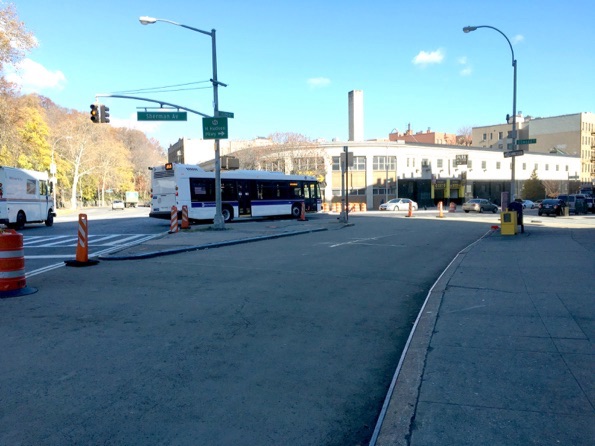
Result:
pixel 162 103
pixel 473 28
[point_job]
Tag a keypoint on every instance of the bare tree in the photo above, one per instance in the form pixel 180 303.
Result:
pixel 552 188
pixel 464 136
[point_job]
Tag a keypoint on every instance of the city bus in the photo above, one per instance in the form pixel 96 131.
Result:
pixel 244 193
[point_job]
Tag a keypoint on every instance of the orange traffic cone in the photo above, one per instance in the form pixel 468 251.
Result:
pixel 440 211
pixel 173 223
pixel 410 213
pixel 82 246
pixel 303 213
pixel 185 222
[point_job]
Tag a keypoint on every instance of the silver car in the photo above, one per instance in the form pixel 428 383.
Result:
pixel 480 205
pixel 398 204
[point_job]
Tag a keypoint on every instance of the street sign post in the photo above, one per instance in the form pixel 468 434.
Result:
pixel 513 153
pixel 214 128
pixel 162 116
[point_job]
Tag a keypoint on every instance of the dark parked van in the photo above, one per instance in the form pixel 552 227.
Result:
pixel 576 203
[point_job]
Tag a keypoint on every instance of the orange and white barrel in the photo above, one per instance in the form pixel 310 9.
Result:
pixel 12 261
pixel 12 265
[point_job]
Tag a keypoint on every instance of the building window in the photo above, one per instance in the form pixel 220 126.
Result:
pixel 384 163
pixel 547 167
pixel 425 163
pixel 439 164
pixel 557 167
pixel 498 165
pixel 500 146
pixel 337 163
pixel 566 168
pixel 407 162
pixel 500 135
pixel 308 165
pixel 536 166
pixel 524 166
pixel 484 165
pixel 359 163
pixel 485 136
pixel 469 165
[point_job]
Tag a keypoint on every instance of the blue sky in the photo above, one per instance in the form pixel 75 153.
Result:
pixel 289 65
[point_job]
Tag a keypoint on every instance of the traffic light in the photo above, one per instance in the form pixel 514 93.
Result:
pixel 94 113
pixel 104 115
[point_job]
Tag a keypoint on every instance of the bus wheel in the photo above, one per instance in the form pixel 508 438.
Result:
pixel 227 213
pixel 50 220
pixel 296 210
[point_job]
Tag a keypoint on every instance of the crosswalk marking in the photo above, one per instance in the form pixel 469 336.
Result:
pixel 68 241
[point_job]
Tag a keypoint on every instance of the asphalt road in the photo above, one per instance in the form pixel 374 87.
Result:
pixel 285 341
pixel 46 248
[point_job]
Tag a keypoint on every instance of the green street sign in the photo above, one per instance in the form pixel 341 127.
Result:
pixel 223 114
pixel 214 128
pixel 526 141
pixel 162 116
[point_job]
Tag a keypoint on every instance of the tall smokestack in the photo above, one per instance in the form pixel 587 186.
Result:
pixel 356 115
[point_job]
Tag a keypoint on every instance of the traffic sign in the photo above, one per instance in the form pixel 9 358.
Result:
pixel 526 141
pixel 513 153
pixel 224 114
pixel 162 116
pixel 214 128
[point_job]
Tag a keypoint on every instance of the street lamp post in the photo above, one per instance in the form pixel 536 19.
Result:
pixel 218 221
pixel 468 29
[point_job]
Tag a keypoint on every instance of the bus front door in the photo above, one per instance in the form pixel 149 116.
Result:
pixel 244 198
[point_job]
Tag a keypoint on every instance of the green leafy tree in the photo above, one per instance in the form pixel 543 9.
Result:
pixel 533 188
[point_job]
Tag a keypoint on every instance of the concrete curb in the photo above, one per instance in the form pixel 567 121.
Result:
pixel 394 424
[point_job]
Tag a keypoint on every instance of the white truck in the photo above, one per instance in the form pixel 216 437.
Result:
pixel 131 199
pixel 25 197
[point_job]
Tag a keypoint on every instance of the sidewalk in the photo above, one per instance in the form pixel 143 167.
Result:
pixel 503 350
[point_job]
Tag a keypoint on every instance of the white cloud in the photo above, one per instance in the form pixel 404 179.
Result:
pixel 466 70
pixel 33 77
pixel 518 38
pixel 424 58
pixel 319 82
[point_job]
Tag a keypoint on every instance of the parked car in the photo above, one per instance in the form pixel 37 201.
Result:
pixel 551 206
pixel 537 203
pixel 480 205
pixel 118 204
pixel 398 204
pixel 528 204
pixel 590 201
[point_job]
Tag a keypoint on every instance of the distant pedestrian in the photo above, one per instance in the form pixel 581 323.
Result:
pixel 517 205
